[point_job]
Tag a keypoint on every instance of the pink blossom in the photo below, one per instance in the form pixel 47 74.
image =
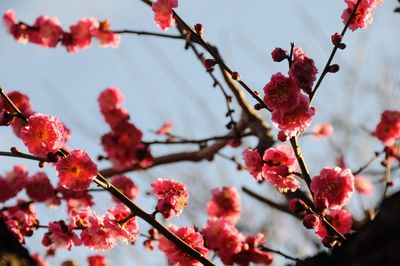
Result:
pixel 97 260
pixel 80 218
pixel 22 102
pixel 363 15
pixel 363 185
pixel 39 188
pixel 20 31
pixel 388 129
pixel 6 191
pixel 96 236
pixel 76 170
pixel 110 98
pixel 322 131
pixel 281 93
pixel 81 34
pixel 119 221
pixel 334 184
pixel 253 162
pixel 126 186
pixel 340 219
pixel 174 254
pixel 60 235
pixel 47 33
pixel 225 203
pixel 303 70
pixel 17 178
pixel 163 16
pixel 116 117
pixel 295 120
pixel 123 146
pixel 250 252
pixel 222 236
pixel 43 134
pixel 105 36
pixel 279 163
pixel 165 129
pixel 172 196
pixel 21 220
pixel 13 182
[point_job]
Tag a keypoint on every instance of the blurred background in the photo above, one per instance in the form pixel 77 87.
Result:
pixel 162 81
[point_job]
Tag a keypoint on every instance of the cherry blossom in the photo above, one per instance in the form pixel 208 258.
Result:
pixel 279 163
pixel 174 254
pixel 363 185
pixel 363 15
pixel 340 219
pixel 76 170
pixel 126 186
pixel 47 33
pixel 225 203
pixel 295 120
pixel 39 188
pixel 172 196
pixel 281 93
pixel 388 129
pixel 60 235
pixel 97 260
pixel 322 131
pixel 253 162
pixel 334 184
pixel 163 16
pixel 303 70
pixel 43 134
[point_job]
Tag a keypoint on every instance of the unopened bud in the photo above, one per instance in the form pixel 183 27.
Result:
pixel 333 68
pixel 336 39
pixel 311 221
pixel 209 63
pixel 297 206
pixel 278 54
pixel 198 28
pixel 235 76
pixel 282 136
pixel 258 106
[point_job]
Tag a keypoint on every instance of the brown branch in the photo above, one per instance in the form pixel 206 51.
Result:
pixel 193 156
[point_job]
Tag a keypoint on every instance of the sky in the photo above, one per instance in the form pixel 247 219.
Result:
pixel 162 81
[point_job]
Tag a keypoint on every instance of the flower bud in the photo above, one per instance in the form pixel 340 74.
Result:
pixel 278 54
pixel 297 206
pixel 333 68
pixel 235 76
pixel 311 221
pixel 209 63
pixel 198 28
pixel 336 39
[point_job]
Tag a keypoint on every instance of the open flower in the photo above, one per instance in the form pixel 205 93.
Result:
pixel 334 184
pixel 76 171
pixel 43 134
pixel 172 196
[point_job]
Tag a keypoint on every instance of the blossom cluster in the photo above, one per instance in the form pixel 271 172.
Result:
pixel 47 32
pixel 163 15
pixel 277 166
pixel 332 189
pixel 363 14
pixel 284 97
pixel 123 144
pixel 219 235
pixel 172 196
pixel 98 232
